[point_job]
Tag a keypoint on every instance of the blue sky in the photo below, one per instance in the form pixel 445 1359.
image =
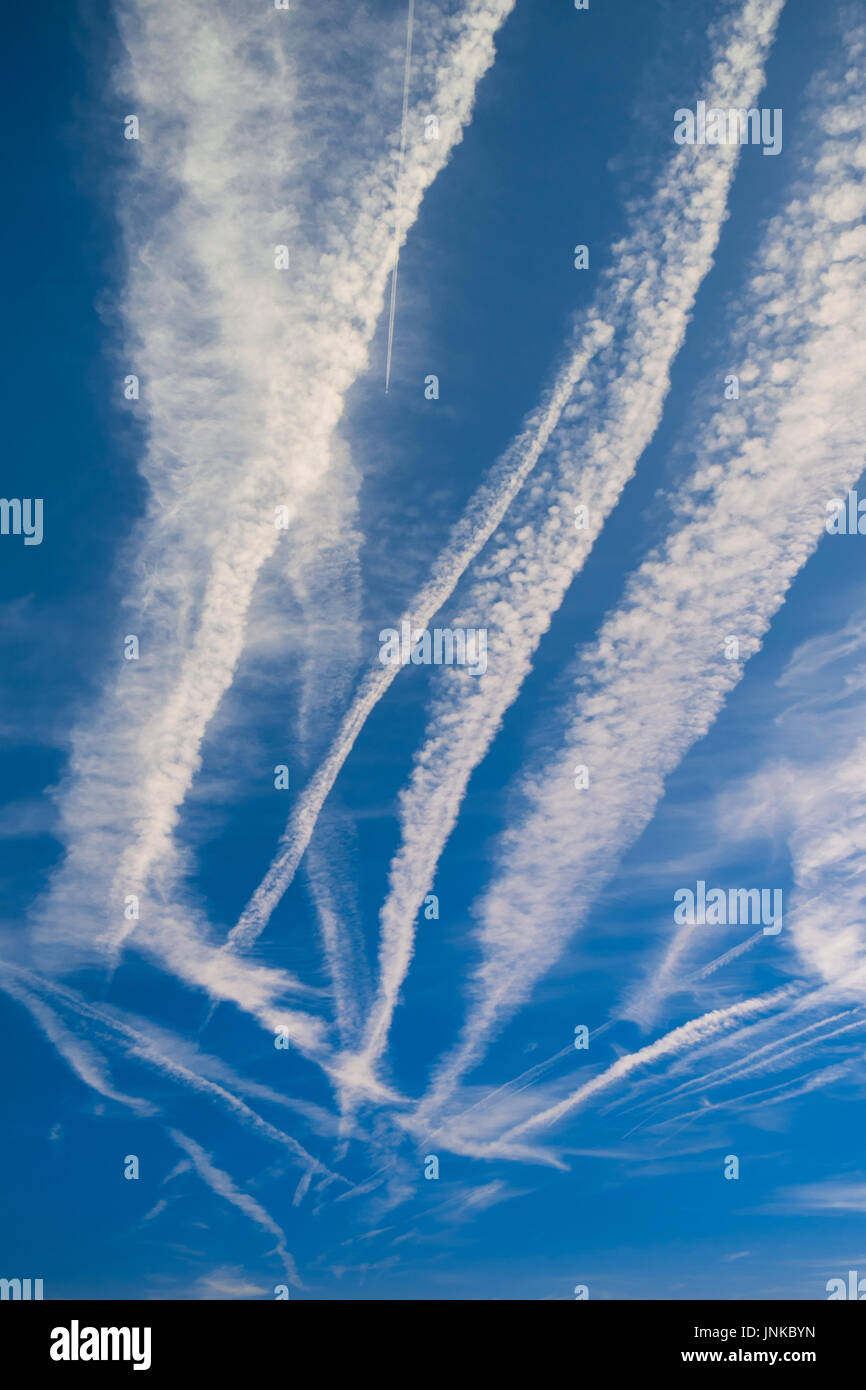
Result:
pixel 264 510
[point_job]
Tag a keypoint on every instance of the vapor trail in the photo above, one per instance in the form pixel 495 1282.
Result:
pixel 656 677
pixel 648 300
pixel 398 231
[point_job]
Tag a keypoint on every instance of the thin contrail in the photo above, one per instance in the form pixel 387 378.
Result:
pixel 677 1040
pixel 644 1001
pixel 196 585
pixel 134 1041
pixel 767 1054
pixel 522 586
pixel 486 510
pixel 397 228
pixel 483 514
pixel 816 1079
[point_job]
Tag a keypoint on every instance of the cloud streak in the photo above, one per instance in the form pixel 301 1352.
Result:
pixel 656 677
pixel 645 302
pixel 139 1041
pixel 223 1185
pixel 685 1037
pixel 244 373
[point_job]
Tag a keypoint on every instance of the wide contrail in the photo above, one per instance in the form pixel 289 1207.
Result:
pixel 750 517
pixel 525 578
pixel 244 375
pixel 398 230
pixel 483 515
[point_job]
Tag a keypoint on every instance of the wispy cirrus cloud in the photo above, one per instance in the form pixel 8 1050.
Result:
pixel 223 1185
pixel 244 372
pixel 484 513
pixel 140 1041
pixel 89 1065
pixel 84 1060
pixel 605 425
pixel 834 1194
pixel 656 677
pixel 806 794
pixel 685 1037
pixel 641 312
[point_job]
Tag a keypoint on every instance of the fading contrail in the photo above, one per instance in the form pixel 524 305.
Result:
pixel 526 577
pixel 225 1186
pixel 476 526
pixel 398 231
pixel 135 1042
pixel 685 1036
pixel 764 1055
pixel 745 527
pixel 244 377
pixel 693 198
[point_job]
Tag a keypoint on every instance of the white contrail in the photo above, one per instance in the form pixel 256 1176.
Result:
pixel 83 1059
pixel 744 1040
pixel 685 1036
pixel 523 582
pixel 475 528
pixel 134 1041
pixel 224 1186
pixel 398 230
pixel 243 373
pixel 824 806
pixel 342 940
pixel 656 677
pixel 86 1063
pixel 763 1056
pixel 723 1026
pixel 776 1057
pixel 691 202
pixel 769 1095
pixel 323 566
pixel 647 996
